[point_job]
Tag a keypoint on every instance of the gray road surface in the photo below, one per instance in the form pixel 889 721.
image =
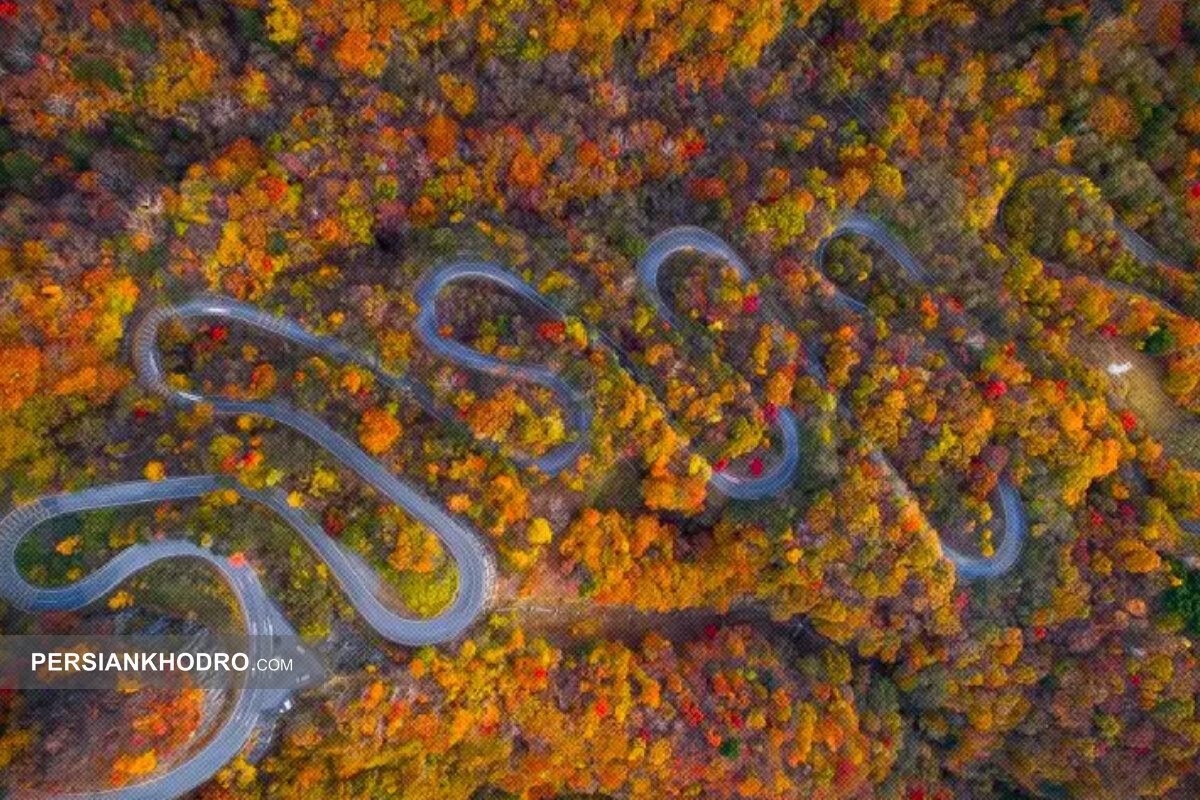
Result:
pixel 779 475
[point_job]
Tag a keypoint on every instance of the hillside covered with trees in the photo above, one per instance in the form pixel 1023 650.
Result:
pixel 956 334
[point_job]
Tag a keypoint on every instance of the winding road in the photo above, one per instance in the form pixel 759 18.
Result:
pixel 690 239
pixel 476 568
pixel 699 240
pixel 773 480
pixel 580 409
pixel 256 610
pixel 1016 527
pixel 1133 241
pixel 1141 249
pixel 858 223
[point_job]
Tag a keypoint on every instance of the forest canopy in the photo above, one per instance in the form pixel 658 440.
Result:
pixel 807 407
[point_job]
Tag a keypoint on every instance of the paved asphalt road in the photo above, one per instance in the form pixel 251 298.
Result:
pixel 560 457
pixel 1134 241
pixel 699 240
pixel 476 567
pixel 256 609
pixel 1016 528
pixel 777 476
pixel 1141 248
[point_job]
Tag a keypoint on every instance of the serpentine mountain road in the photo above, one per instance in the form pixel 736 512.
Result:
pixel 477 573
pixel 257 615
pixel 1016 527
pixel 426 323
pixel 1137 244
pixel 779 475
pixel 699 240
pixel 476 567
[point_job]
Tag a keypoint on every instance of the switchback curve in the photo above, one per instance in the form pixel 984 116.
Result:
pixel 256 613
pixel 687 238
pixel 580 409
pixel 476 568
pixel 1016 528
pixel 1133 241
pixel 1136 244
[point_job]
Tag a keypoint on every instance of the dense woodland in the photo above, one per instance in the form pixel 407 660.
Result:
pixel 318 157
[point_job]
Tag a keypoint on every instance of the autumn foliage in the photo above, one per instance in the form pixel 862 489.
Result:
pixel 652 637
